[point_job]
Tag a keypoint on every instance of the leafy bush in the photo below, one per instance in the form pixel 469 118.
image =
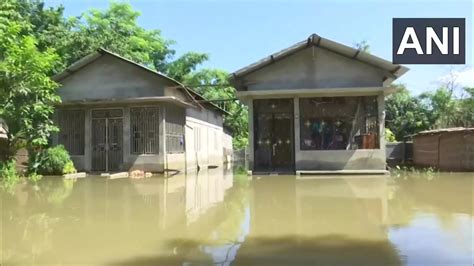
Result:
pixel 8 174
pixel 69 168
pixel 52 161
pixel 389 136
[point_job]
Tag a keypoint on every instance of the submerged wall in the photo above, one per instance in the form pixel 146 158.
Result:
pixel 449 150
pixel 205 138
pixel 361 159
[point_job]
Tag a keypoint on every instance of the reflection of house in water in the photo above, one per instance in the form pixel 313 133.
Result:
pixel 115 220
pixel 205 190
pixel 320 222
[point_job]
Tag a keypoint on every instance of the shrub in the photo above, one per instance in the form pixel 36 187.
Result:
pixel 8 174
pixel 389 136
pixel 52 161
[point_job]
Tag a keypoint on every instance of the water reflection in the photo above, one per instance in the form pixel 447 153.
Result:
pixel 216 217
pixel 316 221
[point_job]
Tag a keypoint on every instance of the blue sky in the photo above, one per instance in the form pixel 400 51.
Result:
pixel 237 33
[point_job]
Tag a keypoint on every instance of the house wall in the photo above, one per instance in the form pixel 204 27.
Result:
pixel 373 159
pixel 111 78
pixel 175 160
pixel 211 139
pixel 146 162
pixel 314 67
pixel 204 130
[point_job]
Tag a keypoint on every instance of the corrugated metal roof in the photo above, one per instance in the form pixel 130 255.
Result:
pixel 441 130
pixel 394 71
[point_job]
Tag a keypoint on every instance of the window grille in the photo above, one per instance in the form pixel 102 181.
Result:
pixel 175 121
pixel 72 130
pixel 144 127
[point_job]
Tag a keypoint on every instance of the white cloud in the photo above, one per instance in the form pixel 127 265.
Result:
pixel 464 77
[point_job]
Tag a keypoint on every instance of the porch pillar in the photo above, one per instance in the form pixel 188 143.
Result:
pixel 127 164
pixel 87 140
pixel 250 147
pixel 381 118
pixel 296 123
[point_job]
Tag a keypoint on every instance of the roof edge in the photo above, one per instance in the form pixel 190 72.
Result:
pixel 394 72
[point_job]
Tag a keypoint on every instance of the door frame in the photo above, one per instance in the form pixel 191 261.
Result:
pixel 292 162
pixel 122 117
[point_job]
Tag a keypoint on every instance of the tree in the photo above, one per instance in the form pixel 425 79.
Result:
pixel 27 94
pixel 212 84
pixel 114 29
pixel 445 110
pixel 405 115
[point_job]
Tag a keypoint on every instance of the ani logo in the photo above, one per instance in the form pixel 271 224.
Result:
pixel 429 41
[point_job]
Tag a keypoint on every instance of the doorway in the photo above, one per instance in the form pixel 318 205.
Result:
pixel 107 140
pixel 273 136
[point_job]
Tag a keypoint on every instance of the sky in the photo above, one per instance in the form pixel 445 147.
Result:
pixel 236 33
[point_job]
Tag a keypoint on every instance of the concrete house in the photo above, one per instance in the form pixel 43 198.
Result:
pixel 317 107
pixel 117 115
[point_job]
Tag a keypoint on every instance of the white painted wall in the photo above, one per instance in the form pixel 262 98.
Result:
pixel 204 130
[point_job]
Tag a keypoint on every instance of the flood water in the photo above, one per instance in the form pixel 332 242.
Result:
pixel 220 218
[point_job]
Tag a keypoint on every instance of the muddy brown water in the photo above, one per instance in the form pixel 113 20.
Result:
pixel 218 218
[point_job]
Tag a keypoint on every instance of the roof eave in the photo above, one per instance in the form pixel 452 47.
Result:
pixel 393 71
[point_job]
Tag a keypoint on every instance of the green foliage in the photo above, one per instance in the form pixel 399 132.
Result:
pixel 69 168
pixel 389 136
pixel 212 85
pixel 406 172
pixel 27 94
pixel 115 29
pixel 52 161
pixel 444 110
pixel 8 174
pixel 184 65
pixel 405 115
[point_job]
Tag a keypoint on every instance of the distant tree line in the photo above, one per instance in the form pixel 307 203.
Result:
pixel 407 114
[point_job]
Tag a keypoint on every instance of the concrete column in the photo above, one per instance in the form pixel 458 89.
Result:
pixel 381 118
pixel 126 138
pixel 296 123
pixel 250 150
pixel 88 140
pixel 162 132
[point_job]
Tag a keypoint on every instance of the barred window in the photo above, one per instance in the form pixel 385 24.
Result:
pixel 72 130
pixel 144 127
pixel 175 132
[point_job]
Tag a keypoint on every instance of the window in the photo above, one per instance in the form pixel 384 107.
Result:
pixel 144 130
pixel 339 123
pixel 175 121
pixel 72 129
